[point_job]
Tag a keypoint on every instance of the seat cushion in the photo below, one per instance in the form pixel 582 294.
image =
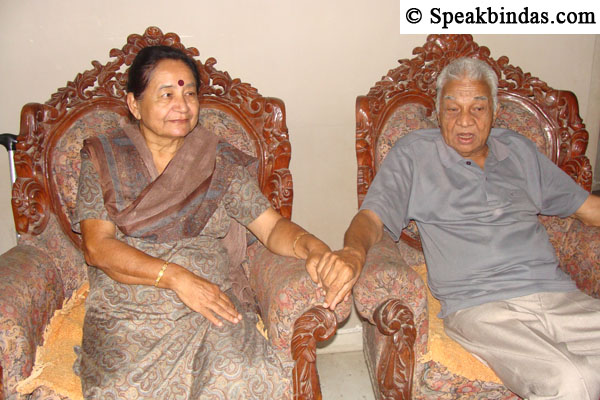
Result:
pixel 54 360
pixel 53 369
pixel 445 351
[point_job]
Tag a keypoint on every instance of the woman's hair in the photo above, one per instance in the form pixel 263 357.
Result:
pixel 146 60
pixel 469 68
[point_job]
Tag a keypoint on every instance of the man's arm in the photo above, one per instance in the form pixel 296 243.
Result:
pixel 589 212
pixel 338 271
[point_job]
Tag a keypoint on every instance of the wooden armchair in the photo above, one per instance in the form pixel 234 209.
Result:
pixel 47 266
pixel 390 295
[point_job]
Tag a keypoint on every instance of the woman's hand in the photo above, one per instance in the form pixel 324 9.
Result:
pixel 203 296
pixel 333 272
pixel 131 266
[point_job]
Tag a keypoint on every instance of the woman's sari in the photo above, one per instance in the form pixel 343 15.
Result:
pixel 141 341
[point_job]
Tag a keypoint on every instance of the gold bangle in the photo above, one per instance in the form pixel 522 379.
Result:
pixel 161 273
pixel 296 241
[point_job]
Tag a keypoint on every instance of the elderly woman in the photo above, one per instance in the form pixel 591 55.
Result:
pixel 161 207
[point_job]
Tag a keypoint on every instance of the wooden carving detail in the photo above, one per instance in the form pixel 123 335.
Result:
pixel 105 86
pixel 414 81
pixel 30 206
pixel 315 325
pixel 396 366
pixel 267 117
pixel 30 199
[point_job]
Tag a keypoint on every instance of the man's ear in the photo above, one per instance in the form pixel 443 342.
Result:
pixel 132 103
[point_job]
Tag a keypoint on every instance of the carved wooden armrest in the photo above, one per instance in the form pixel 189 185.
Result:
pixel 395 368
pixel 284 292
pixel 292 314
pixel 1 385
pixel 392 297
pixel 386 276
pixel 30 291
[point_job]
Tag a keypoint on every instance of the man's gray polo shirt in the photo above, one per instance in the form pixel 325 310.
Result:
pixel 479 228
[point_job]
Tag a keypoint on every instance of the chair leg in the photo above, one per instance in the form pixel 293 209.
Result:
pixel 315 325
pixel 1 385
pixel 395 370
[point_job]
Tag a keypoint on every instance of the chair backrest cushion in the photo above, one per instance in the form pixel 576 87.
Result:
pixel 513 115
pixel 65 160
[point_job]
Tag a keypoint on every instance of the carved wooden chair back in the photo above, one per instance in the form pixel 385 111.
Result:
pixel 404 101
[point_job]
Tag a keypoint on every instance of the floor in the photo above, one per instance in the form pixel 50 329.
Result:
pixel 344 376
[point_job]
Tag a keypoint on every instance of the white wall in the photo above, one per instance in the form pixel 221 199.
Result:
pixel 315 55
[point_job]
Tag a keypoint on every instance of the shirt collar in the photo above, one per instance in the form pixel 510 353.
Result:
pixel 449 157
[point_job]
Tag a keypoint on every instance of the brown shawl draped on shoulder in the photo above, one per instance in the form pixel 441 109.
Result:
pixel 175 204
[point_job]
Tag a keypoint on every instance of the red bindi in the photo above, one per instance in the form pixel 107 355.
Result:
pixel 180 82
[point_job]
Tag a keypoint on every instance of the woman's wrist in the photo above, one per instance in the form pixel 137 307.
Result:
pixel 161 273
pixel 172 274
pixel 295 243
pixel 313 244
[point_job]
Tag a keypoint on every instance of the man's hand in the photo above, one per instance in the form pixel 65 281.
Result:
pixel 312 261
pixel 337 272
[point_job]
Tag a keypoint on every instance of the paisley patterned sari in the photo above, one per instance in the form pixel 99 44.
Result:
pixel 142 342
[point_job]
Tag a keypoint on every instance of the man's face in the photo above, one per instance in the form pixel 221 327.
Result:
pixel 466 116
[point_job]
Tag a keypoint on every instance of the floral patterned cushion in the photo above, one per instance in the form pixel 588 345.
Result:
pixel 447 352
pixel 386 276
pixel 65 161
pixel 437 382
pixel 30 291
pixel 405 119
pixel 224 125
pixel 54 360
pixel 284 292
pixel 578 250
pixel 512 115
pixel 61 253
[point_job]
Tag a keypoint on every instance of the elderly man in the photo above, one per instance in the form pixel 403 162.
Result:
pixel 475 193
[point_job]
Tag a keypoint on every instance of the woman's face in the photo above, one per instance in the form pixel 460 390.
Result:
pixel 168 107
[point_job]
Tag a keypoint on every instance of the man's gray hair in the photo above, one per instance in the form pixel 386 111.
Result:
pixel 469 68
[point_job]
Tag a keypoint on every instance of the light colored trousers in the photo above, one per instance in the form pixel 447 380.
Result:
pixel 542 346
